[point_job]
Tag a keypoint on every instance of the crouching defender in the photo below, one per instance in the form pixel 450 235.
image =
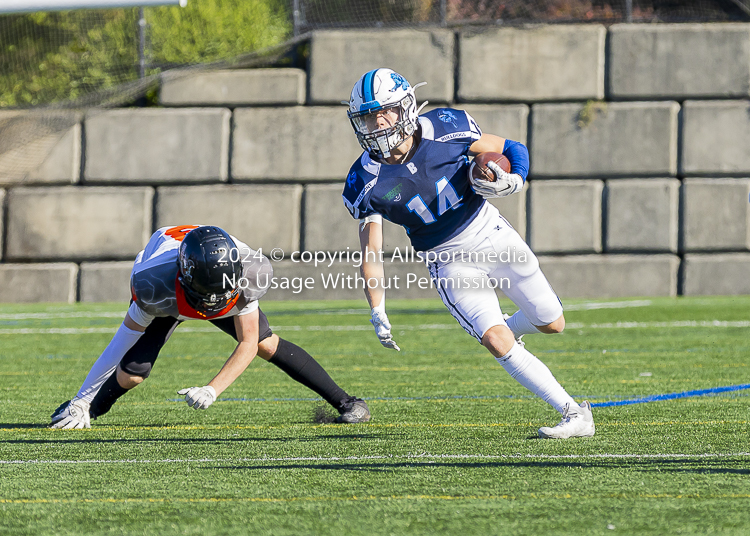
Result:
pixel 192 272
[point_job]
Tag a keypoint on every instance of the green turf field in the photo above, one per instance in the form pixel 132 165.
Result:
pixel 451 449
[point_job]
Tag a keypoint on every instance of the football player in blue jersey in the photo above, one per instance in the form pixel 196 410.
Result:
pixel 466 242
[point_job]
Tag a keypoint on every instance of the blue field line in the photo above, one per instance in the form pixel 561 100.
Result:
pixel 622 402
pixel 671 396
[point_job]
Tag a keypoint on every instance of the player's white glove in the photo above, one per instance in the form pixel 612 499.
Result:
pixel 74 414
pixel 383 327
pixel 199 397
pixel 505 183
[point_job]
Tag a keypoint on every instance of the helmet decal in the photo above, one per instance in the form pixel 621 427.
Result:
pixel 187 267
pixel 400 82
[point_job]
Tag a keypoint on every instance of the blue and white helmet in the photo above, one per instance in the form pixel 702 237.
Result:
pixel 376 91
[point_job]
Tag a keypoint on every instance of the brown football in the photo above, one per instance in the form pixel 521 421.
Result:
pixel 480 170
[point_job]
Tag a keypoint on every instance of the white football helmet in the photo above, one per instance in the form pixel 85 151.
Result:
pixel 377 91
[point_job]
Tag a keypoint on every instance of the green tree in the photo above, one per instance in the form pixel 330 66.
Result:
pixel 62 56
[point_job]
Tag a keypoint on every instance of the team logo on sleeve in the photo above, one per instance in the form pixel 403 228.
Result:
pixel 351 179
pixel 400 82
pixel 446 116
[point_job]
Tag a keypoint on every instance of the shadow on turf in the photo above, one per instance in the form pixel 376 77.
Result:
pixel 357 437
pixel 11 426
pixel 696 466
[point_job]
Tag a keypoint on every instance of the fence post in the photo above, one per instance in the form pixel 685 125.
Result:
pixel 443 12
pixel 141 43
pixel 295 17
pixel 628 10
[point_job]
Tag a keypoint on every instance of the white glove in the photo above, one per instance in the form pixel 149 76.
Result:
pixel 505 183
pixel 199 397
pixel 383 327
pixel 73 415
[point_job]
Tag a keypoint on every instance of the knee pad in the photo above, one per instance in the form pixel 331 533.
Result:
pixel 137 369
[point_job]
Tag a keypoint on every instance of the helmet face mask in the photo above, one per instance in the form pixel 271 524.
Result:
pixel 382 93
pixel 209 277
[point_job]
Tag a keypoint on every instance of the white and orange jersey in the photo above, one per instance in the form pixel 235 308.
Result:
pixel 156 291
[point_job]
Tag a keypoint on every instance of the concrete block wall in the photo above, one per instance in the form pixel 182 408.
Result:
pixel 640 168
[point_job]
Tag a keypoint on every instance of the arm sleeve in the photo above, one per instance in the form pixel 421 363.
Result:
pixel 249 308
pixel 139 316
pixel 518 155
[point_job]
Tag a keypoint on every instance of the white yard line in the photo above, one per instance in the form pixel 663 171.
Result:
pixel 415 457
pixel 397 328
pixel 590 306
pixel 121 314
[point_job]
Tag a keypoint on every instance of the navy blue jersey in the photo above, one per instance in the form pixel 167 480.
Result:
pixel 430 195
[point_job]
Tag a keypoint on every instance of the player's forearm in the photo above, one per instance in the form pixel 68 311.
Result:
pixel 242 356
pixel 373 274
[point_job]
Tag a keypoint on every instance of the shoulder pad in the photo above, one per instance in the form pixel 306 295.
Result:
pixel 363 175
pixel 448 124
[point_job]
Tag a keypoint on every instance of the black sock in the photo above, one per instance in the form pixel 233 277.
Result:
pixel 108 394
pixel 301 366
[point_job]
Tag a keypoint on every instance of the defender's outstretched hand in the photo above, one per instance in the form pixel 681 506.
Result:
pixel 71 414
pixel 383 328
pixel 199 397
pixel 505 183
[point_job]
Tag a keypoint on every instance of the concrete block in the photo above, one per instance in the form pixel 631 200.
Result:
pixel 715 138
pixel 642 215
pixel 40 147
pixel 78 223
pixel 264 217
pixel 566 216
pixel 330 227
pixel 513 209
pixel 339 58
pixel 157 145
pixel 679 61
pixel 328 224
pixel 105 281
pixel 534 63
pixel 725 274
pixel 342 281
pixel 297 143
pixel 240 87
pixel 33 283
pixel 510 121
pixel 716 214
pixel 619 139
pixel 612 276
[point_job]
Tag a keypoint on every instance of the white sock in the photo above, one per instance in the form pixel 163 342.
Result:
pixel 105 366
pixel 527 370
pixel 520 325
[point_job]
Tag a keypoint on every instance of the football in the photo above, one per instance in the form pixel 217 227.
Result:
pixel 480 170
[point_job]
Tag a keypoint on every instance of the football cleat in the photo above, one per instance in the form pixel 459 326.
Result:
pixel 353 410
pixel 577 421
pixel 71 414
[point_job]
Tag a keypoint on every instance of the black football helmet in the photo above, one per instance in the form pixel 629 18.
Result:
pixel 210 269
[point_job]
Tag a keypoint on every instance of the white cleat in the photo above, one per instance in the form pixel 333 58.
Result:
pixel 577 421
pixel 70 415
